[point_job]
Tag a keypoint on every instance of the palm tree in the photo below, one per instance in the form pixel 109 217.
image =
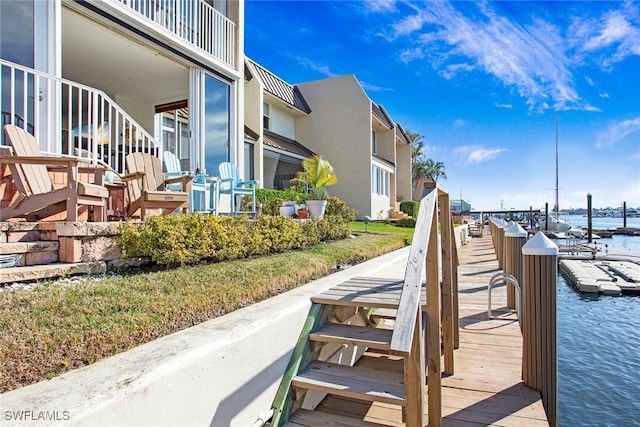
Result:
pixel 418 165
pixel 434 170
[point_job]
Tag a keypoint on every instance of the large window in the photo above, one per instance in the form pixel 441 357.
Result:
pixel 379 181
pixel 217 144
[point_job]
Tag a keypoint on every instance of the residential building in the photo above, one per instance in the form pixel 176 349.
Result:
pixel 370 153
pixel 100 79
pixel 273 148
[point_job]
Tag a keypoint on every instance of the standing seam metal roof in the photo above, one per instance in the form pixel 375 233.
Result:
pixel 281 89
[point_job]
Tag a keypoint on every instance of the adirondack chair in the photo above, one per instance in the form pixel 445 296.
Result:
pixel 37 197
pixel 146 186
pixel 231 184
pixel 200 189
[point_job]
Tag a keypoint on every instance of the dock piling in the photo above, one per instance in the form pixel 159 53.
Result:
pixel 539 329
pixel 514 238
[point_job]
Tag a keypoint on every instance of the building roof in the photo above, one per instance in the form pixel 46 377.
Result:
pixel 285 144
pixel 379 112
pixel 280 89
pixel 403 134
pixel 250 134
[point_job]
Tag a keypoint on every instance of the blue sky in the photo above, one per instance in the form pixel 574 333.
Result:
pixel 481 81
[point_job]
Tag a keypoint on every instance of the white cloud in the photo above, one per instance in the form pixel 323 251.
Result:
pixel 636 156
pixel 409 55
pixel 535 58
pixel 617 131
pixel 320 68
pixel 374 88
pixel 507 106
pixel 470 154
pixel 604 95
pixel 459 123
pixel 378 6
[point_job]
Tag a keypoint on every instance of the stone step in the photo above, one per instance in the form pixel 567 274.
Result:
pixel 38 272
pixel 26 247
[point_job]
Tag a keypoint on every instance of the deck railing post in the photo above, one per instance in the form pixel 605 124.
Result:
pixel 514 238
pixel 539 352
pixel 499 245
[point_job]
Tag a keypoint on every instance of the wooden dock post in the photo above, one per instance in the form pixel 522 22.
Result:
pixel 499 245
pixel 539 349
pixel 514 238
pixel 589 219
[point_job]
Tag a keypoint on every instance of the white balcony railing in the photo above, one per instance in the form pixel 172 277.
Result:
pixel 194 21
pixel 70 119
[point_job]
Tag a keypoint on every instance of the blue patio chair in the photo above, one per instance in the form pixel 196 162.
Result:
pixel 231 184
pixel 199 194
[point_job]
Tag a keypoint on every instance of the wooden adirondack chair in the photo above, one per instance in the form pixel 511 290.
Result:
pixel 230 184
pixel 146 186
pixel 37 197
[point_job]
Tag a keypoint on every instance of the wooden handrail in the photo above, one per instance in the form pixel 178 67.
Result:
pixel 401 340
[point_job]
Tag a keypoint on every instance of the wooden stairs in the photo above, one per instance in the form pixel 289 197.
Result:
pixel 345 333
pixel 353 301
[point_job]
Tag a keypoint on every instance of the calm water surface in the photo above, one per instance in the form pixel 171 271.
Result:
pixel 599 352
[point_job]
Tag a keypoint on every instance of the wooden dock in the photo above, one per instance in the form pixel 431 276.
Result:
pixel 486 388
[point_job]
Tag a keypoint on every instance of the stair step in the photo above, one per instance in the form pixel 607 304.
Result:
pixel 370 292
pixel 26 247
pixel 383 314
pixel 353 382
pixel 379 339
pixel 36 272
pixel 303 417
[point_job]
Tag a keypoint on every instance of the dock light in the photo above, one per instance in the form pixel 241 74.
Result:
pixel 367 218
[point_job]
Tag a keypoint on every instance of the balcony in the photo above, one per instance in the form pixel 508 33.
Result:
pixel 196 22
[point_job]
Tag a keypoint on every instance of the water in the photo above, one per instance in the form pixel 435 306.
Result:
pixel 598 351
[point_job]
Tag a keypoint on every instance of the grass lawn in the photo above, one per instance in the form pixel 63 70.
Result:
pixel 53 329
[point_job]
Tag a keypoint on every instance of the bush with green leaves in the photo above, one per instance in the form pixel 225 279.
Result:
pixel 338 207
pixel 406 222
pixel 410 207
pixel 189 239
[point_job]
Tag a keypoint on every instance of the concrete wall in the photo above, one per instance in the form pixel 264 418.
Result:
pixel 224 372
pixel 340 129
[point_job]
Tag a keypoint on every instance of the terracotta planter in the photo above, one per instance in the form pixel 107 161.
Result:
pixel 303 213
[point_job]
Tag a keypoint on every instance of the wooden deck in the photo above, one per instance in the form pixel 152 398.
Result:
pixel 486 388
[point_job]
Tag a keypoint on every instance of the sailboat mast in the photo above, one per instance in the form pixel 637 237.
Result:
pixel 557 206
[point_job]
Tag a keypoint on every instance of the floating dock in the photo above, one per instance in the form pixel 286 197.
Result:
pixel 602 277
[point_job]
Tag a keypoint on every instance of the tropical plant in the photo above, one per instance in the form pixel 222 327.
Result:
pixel 316 176
pixel 434 170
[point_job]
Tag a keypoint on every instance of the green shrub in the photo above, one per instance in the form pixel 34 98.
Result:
pixel 338 207
pixel 406 222
pixel 410 207
pixel 189 239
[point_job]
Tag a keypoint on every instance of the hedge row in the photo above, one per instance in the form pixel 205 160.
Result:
pixel 189 239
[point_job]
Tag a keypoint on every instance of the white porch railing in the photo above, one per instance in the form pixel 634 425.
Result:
pixel 70 119
pixel 194 21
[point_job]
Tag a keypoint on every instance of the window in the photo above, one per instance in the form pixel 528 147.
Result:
pixel 265 116
pixel 379 181
pixel 374 142
pixel 217 110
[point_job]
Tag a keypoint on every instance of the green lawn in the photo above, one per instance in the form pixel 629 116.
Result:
pixel 53 329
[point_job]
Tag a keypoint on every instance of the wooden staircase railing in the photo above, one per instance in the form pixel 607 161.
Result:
pixel 416 311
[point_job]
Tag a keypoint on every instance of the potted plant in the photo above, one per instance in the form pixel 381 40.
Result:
pixel 316 176
pixel 302 212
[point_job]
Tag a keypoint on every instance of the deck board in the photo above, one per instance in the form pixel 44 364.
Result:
pixel 486 388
